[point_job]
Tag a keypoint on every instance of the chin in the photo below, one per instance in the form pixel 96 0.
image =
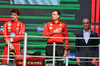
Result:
pixel 13 20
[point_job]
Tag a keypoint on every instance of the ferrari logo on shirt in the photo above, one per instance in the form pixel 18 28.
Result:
pixel 9 28
pixel 17 24
pixel 50 27
pixel 17 28
pixel 60 24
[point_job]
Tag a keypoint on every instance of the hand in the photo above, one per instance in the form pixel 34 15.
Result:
pixel 78 61
pixel 58 30
pixel 6 41
pixel 66 53
pixel 94 61
pixel 12 48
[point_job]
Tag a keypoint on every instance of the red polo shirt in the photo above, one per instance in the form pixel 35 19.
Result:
pixel 48 32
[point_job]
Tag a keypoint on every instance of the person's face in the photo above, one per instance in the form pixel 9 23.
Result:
pixel 86 24
pixel 14 16
pixel 55 15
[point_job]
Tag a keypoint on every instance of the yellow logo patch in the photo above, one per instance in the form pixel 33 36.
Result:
pixel 50 27
pixel 9 27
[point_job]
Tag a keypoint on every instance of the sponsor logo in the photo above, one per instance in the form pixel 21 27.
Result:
pixel 12 34
pixel 50 24
pixel 9 28
pixel 71 55
pixel 40 29
pixel 60 24
pixel 17 24
pixel 9 24
pixel 50 28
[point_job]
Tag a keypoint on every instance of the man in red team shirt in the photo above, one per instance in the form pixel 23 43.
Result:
pixel 13 32
pixel 56 28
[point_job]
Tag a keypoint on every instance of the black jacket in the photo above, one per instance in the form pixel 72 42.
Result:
pixel 87 51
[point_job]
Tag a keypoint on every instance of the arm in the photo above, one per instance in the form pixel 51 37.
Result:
pixel 66 35
pixel 21 34
pixel 5 32
pixel 46 32
pixel 77 51
pixel 96 43
pixel 96 50
pixel 66 41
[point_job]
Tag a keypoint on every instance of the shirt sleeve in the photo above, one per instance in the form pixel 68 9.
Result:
pixel 21 34
pixel 46 32
pixel 96 49
pixel 66 39
pixel 5 32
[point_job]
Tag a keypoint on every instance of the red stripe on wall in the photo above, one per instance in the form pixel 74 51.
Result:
pixel 97 29
pixel 93 11
pixel 5 19
pixel 97 10
pixel 92 28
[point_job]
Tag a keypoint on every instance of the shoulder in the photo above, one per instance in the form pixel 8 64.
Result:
pixel 21 23
pixel 63 24
pixel 48 23
pixel 93 33
pixel 8 22
pixel 79 34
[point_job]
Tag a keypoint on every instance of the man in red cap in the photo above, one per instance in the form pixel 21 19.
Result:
pixel 13 32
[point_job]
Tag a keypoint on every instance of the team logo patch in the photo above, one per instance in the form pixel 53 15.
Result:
pixel 17 24
pixel 50 27
pixel 50 24
pixel 9 24
pixel 9 28
pixel 17 28
pixel 60 24
pixel 12 34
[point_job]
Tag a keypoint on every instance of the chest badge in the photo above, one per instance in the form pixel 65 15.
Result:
pixel 17 24
pixel 9 28
pixel 60 24
pixel 50 28
pixel 12 34
pixel 9 24
pixel 50 24
pixel 17 29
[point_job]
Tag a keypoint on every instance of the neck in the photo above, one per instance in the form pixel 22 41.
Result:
pixel 86 29
pixel 56 21
pixel 15 20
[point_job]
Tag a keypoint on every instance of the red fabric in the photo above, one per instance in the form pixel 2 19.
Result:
pixel 16 27
pixel 21 58
pixel 31 61
pixel 96 63
pixel 48 32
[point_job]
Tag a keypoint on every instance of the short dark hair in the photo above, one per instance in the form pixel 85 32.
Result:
pixel 15 10
pixel 59 13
